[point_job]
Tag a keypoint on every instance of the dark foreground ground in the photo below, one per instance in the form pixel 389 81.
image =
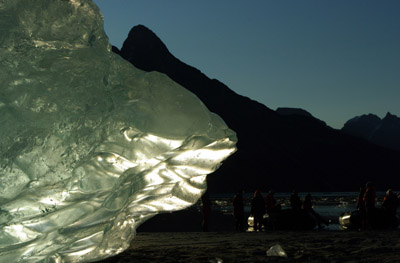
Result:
pixel 218 247
pixel 177 237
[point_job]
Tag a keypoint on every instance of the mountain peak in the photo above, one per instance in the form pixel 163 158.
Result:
pixel 142 34
pixel 383 132
pixel 145 50
pixel 390 117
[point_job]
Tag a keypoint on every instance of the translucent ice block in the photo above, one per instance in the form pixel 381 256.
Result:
pixel 90 147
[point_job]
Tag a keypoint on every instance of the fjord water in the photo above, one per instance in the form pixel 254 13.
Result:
pixel 329 205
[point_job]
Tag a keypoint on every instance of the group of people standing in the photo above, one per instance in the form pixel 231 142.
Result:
pixel 260 206
pixel 366 204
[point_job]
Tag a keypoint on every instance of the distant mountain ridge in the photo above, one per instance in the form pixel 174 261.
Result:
pixel 384 132
pixel 285 111
pixel 280 151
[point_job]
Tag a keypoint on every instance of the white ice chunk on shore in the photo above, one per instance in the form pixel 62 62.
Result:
pixel 90 147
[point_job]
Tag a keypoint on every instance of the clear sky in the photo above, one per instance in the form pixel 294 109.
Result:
pixel 336 59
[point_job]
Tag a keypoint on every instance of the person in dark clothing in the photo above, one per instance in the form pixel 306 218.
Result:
pixel 257 210
pixel 390 202
pixel 389 205
pixel 238 211
pixel 270 203
pixel 295 201
pixel 307 203
pixel 361 207
pixel 369 201
pixel 360 199
pixel 370 196
pixel 308 207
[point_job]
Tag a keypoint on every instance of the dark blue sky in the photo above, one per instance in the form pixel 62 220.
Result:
pixel 335 59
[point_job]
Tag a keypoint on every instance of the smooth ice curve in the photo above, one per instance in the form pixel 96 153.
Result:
pixel 90 147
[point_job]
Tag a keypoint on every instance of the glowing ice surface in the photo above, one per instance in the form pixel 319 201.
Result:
pixel 90 147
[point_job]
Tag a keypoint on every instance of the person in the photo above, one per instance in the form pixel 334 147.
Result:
pixel 270 203
pixel 257 210
pixel 295 201
pixel 398 199
pixel 238 211
pixel 390 202
pixel 360 199
pixel 389 205
pixel 308 207
pixel 361 208
pixel 206 210
pixel 369 201
pixel 369 196
pixel 307 203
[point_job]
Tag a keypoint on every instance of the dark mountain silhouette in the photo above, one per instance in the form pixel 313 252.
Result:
pixel 293 111
pixel 362 126
pixel 296 111
pixel 384 132
pixel 274 151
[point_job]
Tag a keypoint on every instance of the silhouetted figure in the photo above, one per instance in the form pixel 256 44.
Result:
pixel 270 203
pixel 361 207
pixel 307 203
pixel 257 210
pixel 390 202
pixel 360 199
pixel 389 205
pixel 308 207
pixel 398 199
pixel 369 201
pixel 295 201
pixel 206 210
pixel 238 211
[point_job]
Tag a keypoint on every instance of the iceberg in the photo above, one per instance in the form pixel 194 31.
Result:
pixel 90 146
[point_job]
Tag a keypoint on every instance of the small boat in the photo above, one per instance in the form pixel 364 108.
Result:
pixel 380 219
pixel 287 219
